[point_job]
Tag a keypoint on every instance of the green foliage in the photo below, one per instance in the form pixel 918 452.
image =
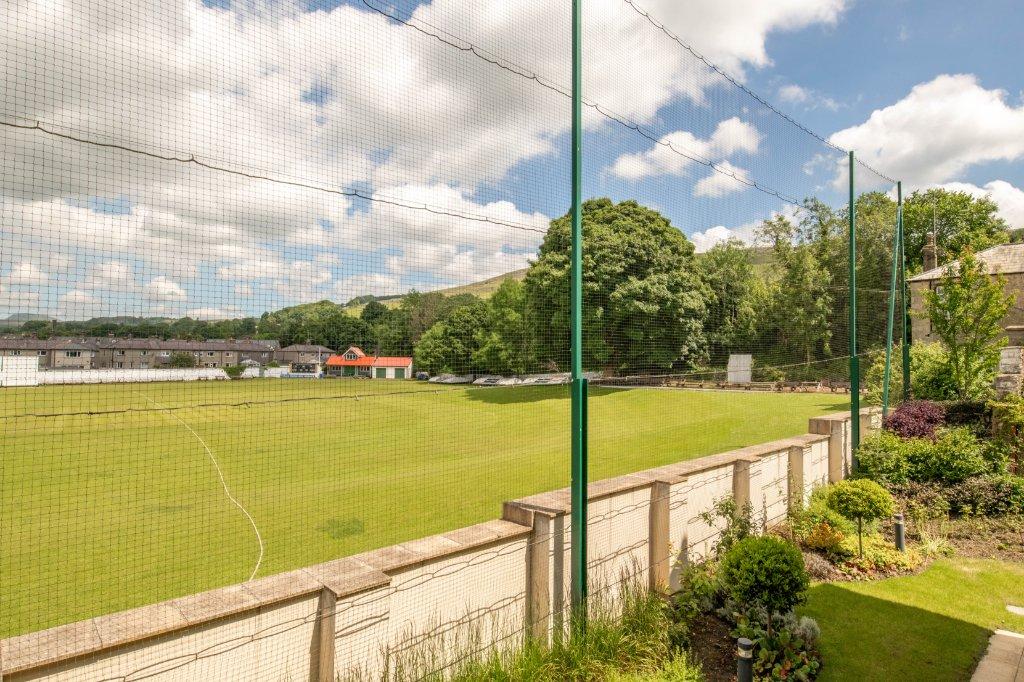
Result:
pixel 962 223
pixel 623 642
pixel 806 520
pixel 885 457
pixel 698 593
pixel 452 344
pixel 503 342
pixel 730 281
pixel 988 495
pixel 643 303
pixel 735 521
pixel 785 646
pixel 764 571
pixel 930 378
pixel 957 454
pixel 966 312
pixel 861 500
pixel 234 371
pixel 1008 426
pixel 323 323
pixel 182 360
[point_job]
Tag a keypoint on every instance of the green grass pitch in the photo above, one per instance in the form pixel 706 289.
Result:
pixel 107 501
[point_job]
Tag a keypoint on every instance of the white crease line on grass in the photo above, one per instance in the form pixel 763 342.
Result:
pixel 223 483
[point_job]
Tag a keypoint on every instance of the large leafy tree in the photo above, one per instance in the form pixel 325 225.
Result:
pixel 323 322
pixel 452 344
pixel 961 221
pixel 728 273
pixel 966 312
pixel 643 302
pixel 503 344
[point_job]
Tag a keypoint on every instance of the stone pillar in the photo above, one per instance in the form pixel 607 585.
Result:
pixel 741 483
pixel 321 667
pixel 837 432
pixel 658 542
pixel 538 579
pixel 795 498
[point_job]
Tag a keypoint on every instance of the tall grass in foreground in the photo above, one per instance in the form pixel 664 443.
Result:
pixel 627 640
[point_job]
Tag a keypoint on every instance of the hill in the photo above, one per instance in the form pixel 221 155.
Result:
pixel 482 289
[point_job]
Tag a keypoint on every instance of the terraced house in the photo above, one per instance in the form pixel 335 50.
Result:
pixel 150 353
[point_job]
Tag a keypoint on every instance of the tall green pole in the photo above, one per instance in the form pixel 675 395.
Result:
pixel 906 302
pixel 578 443
pixel 854 360
pixel 890 322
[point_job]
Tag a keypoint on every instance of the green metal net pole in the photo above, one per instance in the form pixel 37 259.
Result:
pixel 578 527
pixel 854 360
pixel 891 320
pixel 906 302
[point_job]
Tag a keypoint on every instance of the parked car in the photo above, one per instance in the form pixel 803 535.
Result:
pixel 422 376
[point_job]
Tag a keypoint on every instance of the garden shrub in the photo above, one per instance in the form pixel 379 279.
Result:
pixel 862 500
pixel 765 571
pixel 738 523
pixel 976 415
pixel 805 520
pixel 785 646
pixel 825 538
pixel 916 419
pixel 698 592
pixel 929 374
pixel 885 457
pixel 989 495
pixel 956 455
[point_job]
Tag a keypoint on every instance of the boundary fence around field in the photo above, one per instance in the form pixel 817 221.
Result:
pixel 357 617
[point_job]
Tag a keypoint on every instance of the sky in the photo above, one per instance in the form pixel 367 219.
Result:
pixel 220 159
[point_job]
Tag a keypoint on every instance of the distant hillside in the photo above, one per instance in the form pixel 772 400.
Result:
pixel 483 289
pixel 18 319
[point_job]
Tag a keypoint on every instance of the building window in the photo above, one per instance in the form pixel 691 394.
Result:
pixel 15 352
pixel 227 354
pixel 120 352
pixel 209 353
pixel 143 352
pixel 119 365
pixel 42 353
pixel 72 353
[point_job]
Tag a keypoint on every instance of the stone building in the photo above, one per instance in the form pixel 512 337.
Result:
pixel 1006 260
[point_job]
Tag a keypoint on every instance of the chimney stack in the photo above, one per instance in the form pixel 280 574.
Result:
pixel 931 253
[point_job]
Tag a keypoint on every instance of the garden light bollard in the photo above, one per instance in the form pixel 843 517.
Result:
pixel 744 660
pixel 901 537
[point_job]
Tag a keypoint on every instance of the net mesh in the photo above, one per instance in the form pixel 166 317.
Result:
pixel 284 284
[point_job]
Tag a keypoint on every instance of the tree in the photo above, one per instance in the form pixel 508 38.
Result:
pixel 643 303
pixel 729 278
pixel 451 344
pixel 503 343
pixel 373 312
pixel 962 222
pixel 860 500
pixel 322 323
pixel 182 360
pixel 966 312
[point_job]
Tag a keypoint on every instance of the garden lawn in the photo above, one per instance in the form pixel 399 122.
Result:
pixel 933 626
pixel 109 498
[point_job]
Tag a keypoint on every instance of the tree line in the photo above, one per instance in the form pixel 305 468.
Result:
pixel 650 303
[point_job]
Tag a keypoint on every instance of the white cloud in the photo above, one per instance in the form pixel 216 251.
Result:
pixel 210 314
pixel 721 181
pixel 1009 198
pixel 719 234
pixel 165 290
pixel 939 130
pixel 676 151
pixel 811 99
pixel 407 116
pixel 113 274
pixel 26 273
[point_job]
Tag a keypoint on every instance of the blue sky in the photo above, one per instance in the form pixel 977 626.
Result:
pixel 466 162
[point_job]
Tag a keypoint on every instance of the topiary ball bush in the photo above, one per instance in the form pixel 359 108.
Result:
pixel 765 571
pixel 916 419
pixel 861 500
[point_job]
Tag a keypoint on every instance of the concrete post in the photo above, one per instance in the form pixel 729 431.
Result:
pixel 741 483
pixel 795 496
pixel 658 549
pixel 321 667
pixel 538 579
